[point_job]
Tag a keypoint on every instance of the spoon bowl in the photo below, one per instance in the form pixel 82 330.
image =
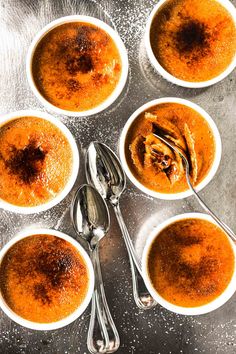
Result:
pixel 104 171
pixel 90 215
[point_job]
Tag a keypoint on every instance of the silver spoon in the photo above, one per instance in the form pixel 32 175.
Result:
pixel 91 221
pixel 203 205
pixel 104 171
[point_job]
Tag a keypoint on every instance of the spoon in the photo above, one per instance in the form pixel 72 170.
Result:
pixel 203 205
pixel 91 221
pixel 104 172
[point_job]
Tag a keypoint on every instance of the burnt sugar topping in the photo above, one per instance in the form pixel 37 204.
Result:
pixel 185 261
pixel 47 271
pixel 194 40
pixel 81 64
pixel 26 163
pixel 157 166
pixel 192 36
pixel 71 61
pixel 35 161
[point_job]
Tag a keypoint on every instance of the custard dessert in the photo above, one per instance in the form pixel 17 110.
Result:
pixel 194 40
pixel 191 262
pixel 76 66
pixel 43 278
pixel 35 161
pixel 157 166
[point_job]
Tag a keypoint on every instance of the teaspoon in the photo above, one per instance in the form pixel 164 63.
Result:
pixel 104 172
pixel 203 205
pixel 91 221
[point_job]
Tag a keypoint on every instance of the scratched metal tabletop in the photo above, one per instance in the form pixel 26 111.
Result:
pixel 158 330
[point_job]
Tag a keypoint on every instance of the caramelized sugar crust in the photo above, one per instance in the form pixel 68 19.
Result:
pixel 76 66
pixel 191 262
pixel 194 40
pixel 35 161
pixel 154 164
pixel 43 278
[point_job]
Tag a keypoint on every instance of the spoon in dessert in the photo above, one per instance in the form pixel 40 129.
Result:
pixel 187 172
pixel 91 221
pixel 104 172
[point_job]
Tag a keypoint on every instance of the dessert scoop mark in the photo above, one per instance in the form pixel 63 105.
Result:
pixel 152 153
pixel 26 163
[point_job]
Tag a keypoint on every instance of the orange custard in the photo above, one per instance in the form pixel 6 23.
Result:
pixel 35 161
pixel 43 278
pixel 194 40
pixel 76 66
pixel 153 163
pixel 191 262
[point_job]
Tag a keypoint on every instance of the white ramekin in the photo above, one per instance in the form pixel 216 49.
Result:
pixel 75 164
pixel 199 310
pixel 65 321
pixel 207 178
pixel 231 9
pixel 120 46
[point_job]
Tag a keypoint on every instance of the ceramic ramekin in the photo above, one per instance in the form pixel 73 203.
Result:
pixel 211 172
pixel 213 305
pixel 120 46
pixel 231 9
pixel 75 165
pixel 73 316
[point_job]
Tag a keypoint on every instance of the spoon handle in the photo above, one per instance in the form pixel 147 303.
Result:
pixel 142 297
pixel 225 227
pixel 102 334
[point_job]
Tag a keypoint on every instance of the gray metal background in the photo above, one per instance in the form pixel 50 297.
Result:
pixel 156 331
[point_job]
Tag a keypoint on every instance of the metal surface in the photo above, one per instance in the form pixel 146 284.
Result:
pixel 158 330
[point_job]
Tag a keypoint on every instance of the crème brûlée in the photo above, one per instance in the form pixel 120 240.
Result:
pixel 76 66
pixel 157 166
pixel 43 278
pixel 191 262
pixel 35 161
pixel 194 40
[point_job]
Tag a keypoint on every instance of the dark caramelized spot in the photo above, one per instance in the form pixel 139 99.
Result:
pixel 56 266
pixel 82 64
pixel 161 158
pixel 40 293
pixel 43 278
pixel 26 163
pixel 83 40
pixel 191 35
pixel 73 85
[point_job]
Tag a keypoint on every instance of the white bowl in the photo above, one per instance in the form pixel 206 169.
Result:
pixel 231 9
pixel 211 172
pixel 75 165
pixel 73 316
pixel 199 310
pixel 120 46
